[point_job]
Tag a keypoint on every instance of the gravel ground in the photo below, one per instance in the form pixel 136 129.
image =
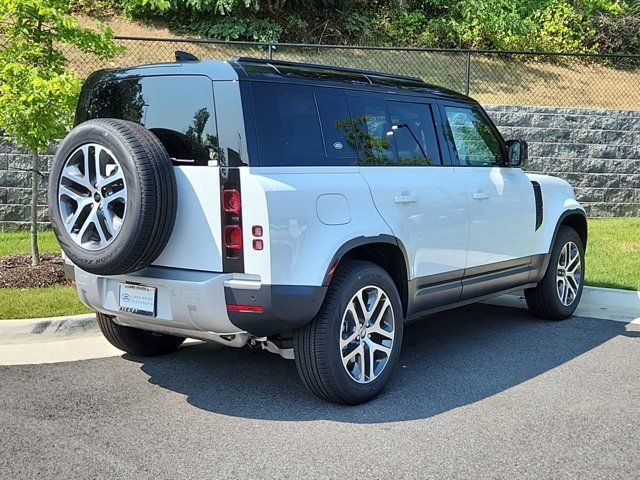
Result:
pixel 482 392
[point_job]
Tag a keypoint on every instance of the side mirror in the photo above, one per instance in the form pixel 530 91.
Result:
pixel 517 153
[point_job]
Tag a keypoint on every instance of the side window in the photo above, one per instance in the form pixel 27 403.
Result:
pixel 414 134
pixel 336 127
pixel 179 110
pixel 371 126
pixel 300 126
pixel 474 141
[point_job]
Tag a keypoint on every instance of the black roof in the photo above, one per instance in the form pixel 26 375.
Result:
pixel 294 72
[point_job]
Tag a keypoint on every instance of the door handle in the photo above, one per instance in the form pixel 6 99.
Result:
pixel 480 195
pixel 406 198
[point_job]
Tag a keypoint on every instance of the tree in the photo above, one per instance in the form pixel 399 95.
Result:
pixel 38 90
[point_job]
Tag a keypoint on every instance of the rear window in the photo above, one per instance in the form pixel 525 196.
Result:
pixel 179 110
pixel 301 126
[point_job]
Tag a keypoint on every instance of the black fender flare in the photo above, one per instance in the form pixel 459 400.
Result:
pixel 358 242
pixel 566 214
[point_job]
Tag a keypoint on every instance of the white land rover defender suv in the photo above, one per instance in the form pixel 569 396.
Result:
pixel 305 209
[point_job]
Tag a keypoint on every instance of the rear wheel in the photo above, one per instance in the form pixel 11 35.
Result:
pixel 135 341
pixel 556 297
pixel 349 351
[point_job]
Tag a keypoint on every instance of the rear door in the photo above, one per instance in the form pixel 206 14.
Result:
pixel 415 190
pixel 501 202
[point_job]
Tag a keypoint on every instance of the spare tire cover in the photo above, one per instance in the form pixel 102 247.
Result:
pixel 112 196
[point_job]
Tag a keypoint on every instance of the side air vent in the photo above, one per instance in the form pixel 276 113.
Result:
pixel 539 207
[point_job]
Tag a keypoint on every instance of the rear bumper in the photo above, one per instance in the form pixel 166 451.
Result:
pixel 194 303
pixel 284 307
pixel 186 300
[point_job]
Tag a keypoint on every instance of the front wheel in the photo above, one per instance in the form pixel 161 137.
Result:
pixel 557 295
pixel 349 351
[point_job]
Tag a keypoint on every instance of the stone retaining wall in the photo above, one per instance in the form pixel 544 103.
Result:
pixel 596 151
pixel 15 186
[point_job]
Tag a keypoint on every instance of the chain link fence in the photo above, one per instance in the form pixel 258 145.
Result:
pixel 499 78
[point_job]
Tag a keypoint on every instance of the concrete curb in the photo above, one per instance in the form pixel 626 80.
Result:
pixel 41 329
pixel 597 302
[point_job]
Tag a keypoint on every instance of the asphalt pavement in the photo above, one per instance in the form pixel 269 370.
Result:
pixel 484 391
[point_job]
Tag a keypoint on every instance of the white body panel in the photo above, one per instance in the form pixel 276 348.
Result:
pixel 195 243
pixel 255 212
pixel 426 209
pixel 558 197
pixel 502 214
pixel 301 245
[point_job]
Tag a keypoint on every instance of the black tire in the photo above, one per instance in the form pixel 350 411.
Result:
pixel 151 196
pixel 318 355
pixel 543 300
pixel 134 341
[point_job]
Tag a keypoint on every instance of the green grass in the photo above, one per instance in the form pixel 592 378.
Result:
pixel 613 253
pixel 20 242
pixel 35 302
pixel 39 302
pixel 613 260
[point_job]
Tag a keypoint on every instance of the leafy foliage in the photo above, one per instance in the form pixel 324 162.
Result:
pixel 617 34
pixel 554 25
pixel 37 90
pixel 232 27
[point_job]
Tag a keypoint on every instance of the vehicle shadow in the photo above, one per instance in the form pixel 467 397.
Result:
pixel 449 360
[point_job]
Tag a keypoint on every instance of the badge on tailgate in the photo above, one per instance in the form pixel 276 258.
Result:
pixel 137 299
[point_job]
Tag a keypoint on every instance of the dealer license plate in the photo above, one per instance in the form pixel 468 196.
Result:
pixel 137 299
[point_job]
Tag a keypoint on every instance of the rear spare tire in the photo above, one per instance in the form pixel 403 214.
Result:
pixel 112 196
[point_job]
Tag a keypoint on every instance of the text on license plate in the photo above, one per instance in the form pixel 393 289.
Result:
pixel 137 299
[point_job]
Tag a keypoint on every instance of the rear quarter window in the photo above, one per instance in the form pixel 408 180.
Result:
pixel 301 126
pixel 179 110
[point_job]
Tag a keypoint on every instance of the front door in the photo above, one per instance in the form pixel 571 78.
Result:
pixel 500 199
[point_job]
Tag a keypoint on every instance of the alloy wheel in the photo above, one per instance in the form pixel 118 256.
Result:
pixel 367 334
pixel 92 196
pixel 569 273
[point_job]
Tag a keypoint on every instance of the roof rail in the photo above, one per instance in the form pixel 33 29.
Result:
pixel 275 63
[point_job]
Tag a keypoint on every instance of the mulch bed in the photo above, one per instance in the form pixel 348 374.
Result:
pixel 16 271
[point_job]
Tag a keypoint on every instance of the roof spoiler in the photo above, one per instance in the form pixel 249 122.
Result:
pixel 185 57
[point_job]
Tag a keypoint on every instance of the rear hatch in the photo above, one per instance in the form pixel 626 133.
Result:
pixel 195 243
pixel 179 110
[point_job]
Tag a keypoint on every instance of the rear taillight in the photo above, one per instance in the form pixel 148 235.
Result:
pixel 231 201
pixel 233 237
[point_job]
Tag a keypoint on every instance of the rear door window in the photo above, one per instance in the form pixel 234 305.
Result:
pixel 179 110
pixel 414 134
pixel 301 126
pixel 394 133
